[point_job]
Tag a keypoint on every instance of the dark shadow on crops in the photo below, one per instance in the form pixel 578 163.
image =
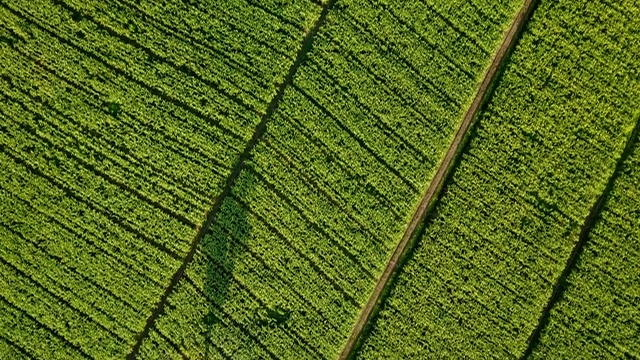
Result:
pixel 225 244
pixel 226 229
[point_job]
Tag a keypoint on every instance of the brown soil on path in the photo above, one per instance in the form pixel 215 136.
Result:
pixel 436 183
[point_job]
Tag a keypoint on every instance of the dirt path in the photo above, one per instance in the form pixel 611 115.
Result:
pixel 435 185
pixel 211 215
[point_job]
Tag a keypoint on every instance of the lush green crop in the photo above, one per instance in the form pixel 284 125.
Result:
pixel 123 122
pixel 298 245
pixel 120 122
pixel 597 316
pixel 541 154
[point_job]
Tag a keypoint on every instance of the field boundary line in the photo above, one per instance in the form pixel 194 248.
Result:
pixel 240 164
pixel 436 183
pixel 594 214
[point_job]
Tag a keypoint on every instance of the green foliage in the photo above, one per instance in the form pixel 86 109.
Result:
pixel 122 122
pixel 325 196
pixel 597 316
pixel 541 154
pixel 114 109
pixel 119 124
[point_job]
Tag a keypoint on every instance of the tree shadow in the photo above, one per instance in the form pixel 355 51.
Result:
pixel 226 238
pixel 226 241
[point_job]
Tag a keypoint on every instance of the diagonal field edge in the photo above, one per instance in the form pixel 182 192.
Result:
pixel 561 283
pixel 211 215
pixel 436 183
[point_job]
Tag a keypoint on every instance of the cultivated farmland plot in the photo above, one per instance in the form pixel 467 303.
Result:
pixel 312 218
pixel 597 317
pixel 190 179
pixel 542 153
pixel 121 122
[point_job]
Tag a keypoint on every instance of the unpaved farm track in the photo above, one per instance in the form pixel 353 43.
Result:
pixel 431 193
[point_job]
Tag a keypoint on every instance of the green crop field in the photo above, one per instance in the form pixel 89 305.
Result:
pixel 312 218
pixel 190 179
pixel 120 125
pixel 598 315
pixel 541 154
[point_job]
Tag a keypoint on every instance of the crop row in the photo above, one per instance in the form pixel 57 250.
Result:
pixel 171 153
pixel 166 60
pixel 120 123
pixel 597 315
pixel 310 222
pixel 541 154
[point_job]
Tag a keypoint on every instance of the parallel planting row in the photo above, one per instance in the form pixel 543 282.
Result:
pixel 120 122
pixel 598 314
pixel 542 153
pixel 298 245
